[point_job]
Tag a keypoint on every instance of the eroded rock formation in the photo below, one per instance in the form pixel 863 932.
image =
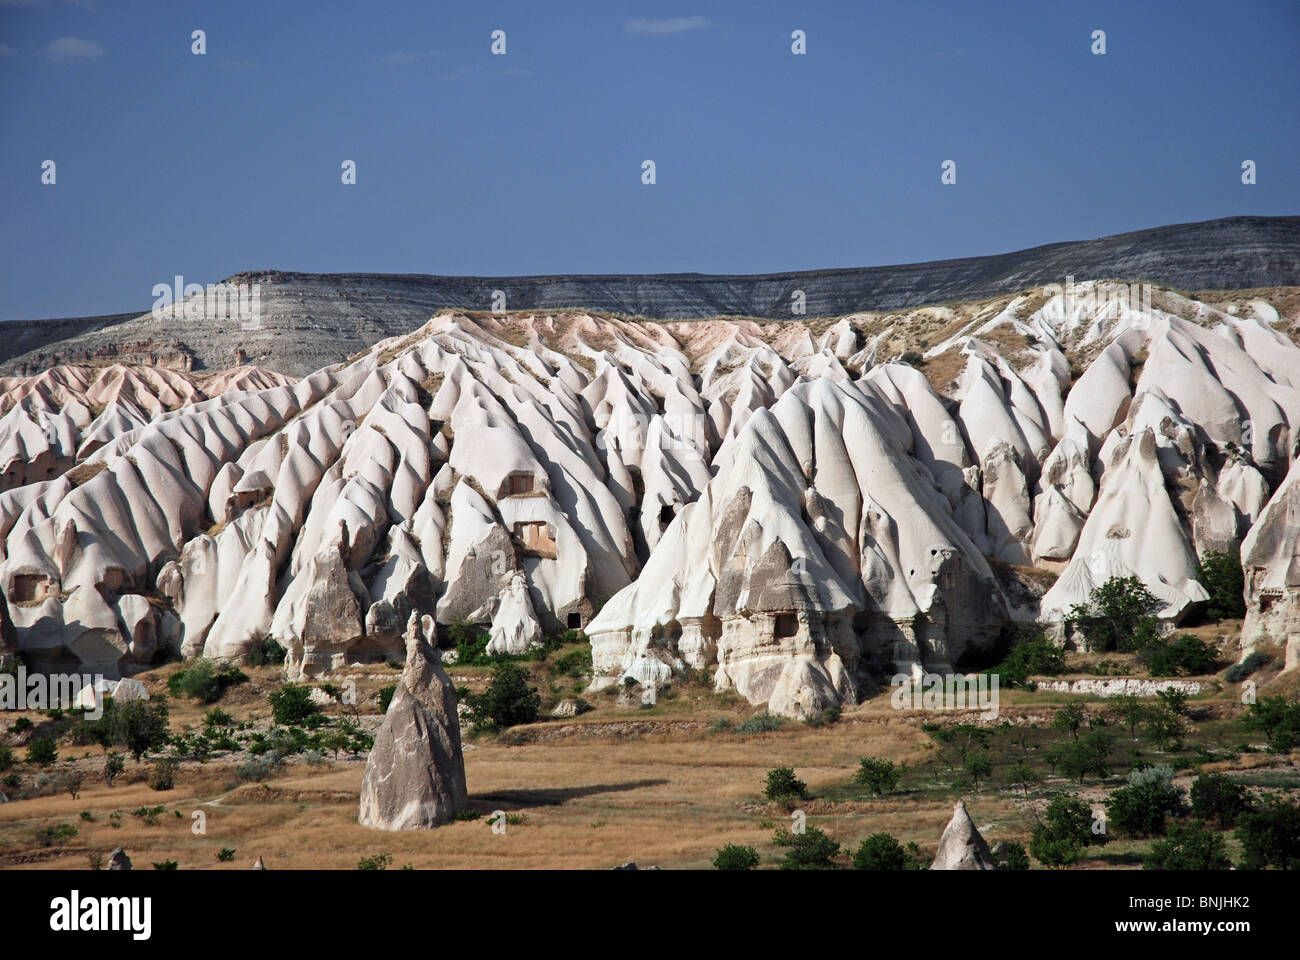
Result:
pixel 415 774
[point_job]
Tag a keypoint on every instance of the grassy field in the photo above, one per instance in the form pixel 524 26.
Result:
pixel 666 785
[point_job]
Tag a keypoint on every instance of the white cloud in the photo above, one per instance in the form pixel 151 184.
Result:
pixel 73 50
pixel 670 25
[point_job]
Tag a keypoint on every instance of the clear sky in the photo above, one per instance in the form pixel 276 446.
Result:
pixel 530 162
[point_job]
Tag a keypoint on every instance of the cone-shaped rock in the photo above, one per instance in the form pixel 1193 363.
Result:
pixel 415 776
pixel 961 847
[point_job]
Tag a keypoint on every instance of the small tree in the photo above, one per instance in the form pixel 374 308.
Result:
pixel 1270 836
pixel 291 704
pixel 1275 718
pixel 1131 712
pixel 1190 847
pixel 509 700
pixel 1221 575
pixel 1089 756
pixel 1165 727
pixel 783 786
pixel 880 851
pixel 163 775
pixel 979 766
pixel 42 751
pixel 735 857
pixel 137 725
pixel 1064 832
pixel 1218 797
pixel 1141 808
pixel 1021 775
pixel 1069 718
pixel 1119 615
pixel 810 850
pixel 877 775
pixel 113 767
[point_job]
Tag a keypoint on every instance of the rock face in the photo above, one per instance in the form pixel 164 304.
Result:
pixel 118 860
pixel 1270 558
pixel 309 321
pixel 961 847
pixel 781 504
pixel 415 775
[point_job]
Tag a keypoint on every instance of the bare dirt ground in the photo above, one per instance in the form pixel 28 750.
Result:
pixel 663 786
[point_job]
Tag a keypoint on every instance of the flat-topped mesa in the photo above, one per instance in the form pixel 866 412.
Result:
pixel 778 503
pixel 415 774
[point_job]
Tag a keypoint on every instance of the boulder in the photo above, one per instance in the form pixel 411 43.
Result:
pixel 118 860
pixel 415 775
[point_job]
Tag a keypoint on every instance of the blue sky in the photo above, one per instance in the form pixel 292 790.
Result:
pixel 469 163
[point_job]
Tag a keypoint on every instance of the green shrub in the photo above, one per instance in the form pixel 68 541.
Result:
pixel 267 651
pixel 225 855
pixel 1240 671
pixel 810 850
pixel 56 835
pixel 735 857
pixel 165 864
pixel 380 861
pixel 880 851
pixel 1189 847
pixel 1031 653
pixel 291 703
pixel 1221 575
pixel 21 725
pixel 823 718
pixel 1089 756
pixel 113 767
pixel 575 663
pixel 1014 857
pixel 877 775
pixel 1277 718
pixel 470 643
pixel 782 785
pixel 386 697
pixel 257 769
pixel 1141 808
pixel 216 717
pixel 137 725
pixel 507 701
pixel 1118 615
pixel 163 775
pixel 1064 832
pixel 6 757
pixel 1218 797
pixel 204 681
pixel 42 751
pixel 1270 836
pixel 762 722
pixel 1184 656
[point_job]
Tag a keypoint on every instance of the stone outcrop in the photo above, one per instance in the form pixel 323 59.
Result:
pixel 780 504
pixel 118 860
pixel 415 775
pixel 1270 559
pixel 962 847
